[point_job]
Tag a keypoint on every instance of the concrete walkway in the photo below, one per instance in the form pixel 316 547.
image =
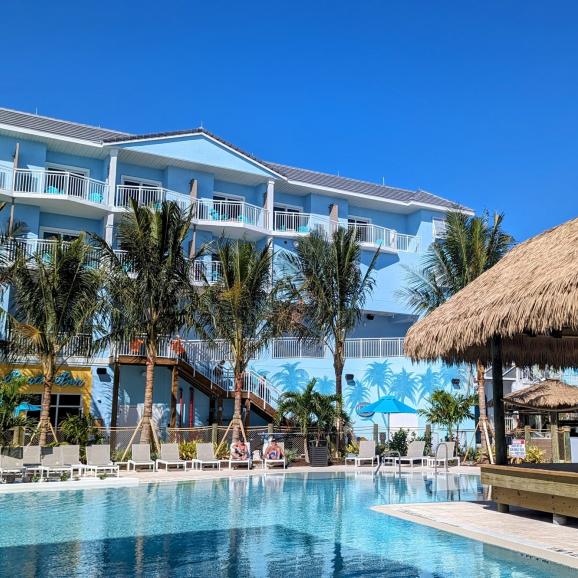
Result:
pixel 522 531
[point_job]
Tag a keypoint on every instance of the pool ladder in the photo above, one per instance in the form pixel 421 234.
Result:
pixel 389 454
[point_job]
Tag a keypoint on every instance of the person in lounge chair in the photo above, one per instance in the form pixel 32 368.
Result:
pixel 273 451
pixel 239 451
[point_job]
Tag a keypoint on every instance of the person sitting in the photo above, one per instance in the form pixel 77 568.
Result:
pixel 273 451
pixel 239 451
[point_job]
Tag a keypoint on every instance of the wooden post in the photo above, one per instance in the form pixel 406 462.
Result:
pixel 566 444
pixel 174 392
pixel 376 433
pixel 555 444
pixel 214 433
pixel 527 436
pixel 247 412
pixel 114 409
pixel 270 428
pixel 498 397
pixel 212 410
pixel 220 410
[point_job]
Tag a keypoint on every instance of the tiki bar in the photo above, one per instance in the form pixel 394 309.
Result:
pixel 522 311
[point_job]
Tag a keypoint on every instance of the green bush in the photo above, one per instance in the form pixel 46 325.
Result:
pixel 188 450
pixel 80 430
pixel 399 441
pixel 534 455
pixel 352 448
pixel 291 455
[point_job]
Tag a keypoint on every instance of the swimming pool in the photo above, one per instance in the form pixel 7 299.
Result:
pixel 273 525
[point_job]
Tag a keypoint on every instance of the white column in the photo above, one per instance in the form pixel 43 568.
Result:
pixel 269 203
pixel 111 181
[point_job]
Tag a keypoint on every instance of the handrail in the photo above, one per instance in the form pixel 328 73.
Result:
pixel 436 457
pixel 389 454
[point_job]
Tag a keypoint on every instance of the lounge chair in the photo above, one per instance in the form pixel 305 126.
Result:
pixel 11 462
pixel 31 459
pixel 205 455
pixel 170 457
pixel 366 453
pixel 140 456
pixel 98 460
pixel 280 461
pixel 71 457
pixel 414 454
pixel 52 462
pixel 235 462
pixel 440 458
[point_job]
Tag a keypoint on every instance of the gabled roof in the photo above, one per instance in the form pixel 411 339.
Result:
pixel 362 187
pixel 97 135
pixel 56 126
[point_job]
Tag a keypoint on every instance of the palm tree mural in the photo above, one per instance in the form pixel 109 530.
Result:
pixel 325 385
pixel 404 386
pixel 378 376
pixel 357 392
pixel 291 377
pixel 428 383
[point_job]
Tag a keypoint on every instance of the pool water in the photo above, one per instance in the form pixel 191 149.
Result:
pixel 272 525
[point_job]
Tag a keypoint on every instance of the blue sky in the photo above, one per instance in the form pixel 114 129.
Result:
pixel 476 101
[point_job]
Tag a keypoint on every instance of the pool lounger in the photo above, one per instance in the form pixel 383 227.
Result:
pixel 205 455
pixel 140 457
pixel 281 461
pixel 170 457
pixel 415 451
pixel 98 460
pixel 366 453
pixel 248 462
pixel 9 463
pixel 52 462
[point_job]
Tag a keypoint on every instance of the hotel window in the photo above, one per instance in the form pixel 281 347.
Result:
pixel 439 227
pixel 289 219
pixel 361 226
pixel 144 191
pixel 61 406
pixel 227 208
pixel 53 234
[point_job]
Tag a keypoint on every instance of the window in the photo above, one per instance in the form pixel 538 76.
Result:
pixel 142 190
pixel 52 234
pixel 65 181
pixel 61 406
pixel 290 219
pixel 439 227
pixel 227 208
pixel 361 226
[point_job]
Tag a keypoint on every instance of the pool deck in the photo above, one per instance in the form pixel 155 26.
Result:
pixel 529 533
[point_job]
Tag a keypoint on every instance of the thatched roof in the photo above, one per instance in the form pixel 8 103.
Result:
pixel 530 298
pixel 549 395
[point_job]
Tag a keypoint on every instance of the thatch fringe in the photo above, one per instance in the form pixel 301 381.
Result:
pixel 549 395
pixel 530 293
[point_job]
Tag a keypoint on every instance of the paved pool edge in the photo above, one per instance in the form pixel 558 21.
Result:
pixel 69 485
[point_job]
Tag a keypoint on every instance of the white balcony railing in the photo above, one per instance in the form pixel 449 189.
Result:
pixel 407 243
pixel 148 196
pixel 387 239
pixel 237 212
pixel 5 178
pixel 291 347
pixel 207 272
pixel 57 183
pixel 374 347
pixel 300 223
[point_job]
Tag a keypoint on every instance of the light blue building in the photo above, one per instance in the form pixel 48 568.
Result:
pixel 61 178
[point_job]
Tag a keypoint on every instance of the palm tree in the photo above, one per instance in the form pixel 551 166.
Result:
pixel 244 308
pixel 149 285
pixel 331 291
pixel 56 298
pixel 11 396
pixel 470 246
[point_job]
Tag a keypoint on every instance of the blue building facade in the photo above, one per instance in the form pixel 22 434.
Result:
pixel 61 178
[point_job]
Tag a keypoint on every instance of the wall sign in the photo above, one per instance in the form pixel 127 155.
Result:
pixel 62 379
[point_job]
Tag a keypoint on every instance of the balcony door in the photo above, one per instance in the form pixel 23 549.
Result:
pixel 143 191
pixel 61 180
pixel 362 228
pixel 288 219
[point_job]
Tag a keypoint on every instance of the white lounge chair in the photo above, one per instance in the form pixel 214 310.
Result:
pixel 140 457
pixel 52 462
pixel 31 459
pixel 235 462
pixel 11 462
pixel 280 461
pixel 98 460
pixel 414 454
pixel 205 456
pixel 366 453
pixel 440 458
pixel 170 457
pixel 71 457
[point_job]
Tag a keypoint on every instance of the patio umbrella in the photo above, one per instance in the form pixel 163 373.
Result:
pixel 388 405
pixel 25 406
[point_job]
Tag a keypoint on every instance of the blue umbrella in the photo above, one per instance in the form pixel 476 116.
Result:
pixel 388 405
pixel 25 406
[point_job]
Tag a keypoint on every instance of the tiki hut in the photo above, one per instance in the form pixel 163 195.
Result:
pixel 549 396
pixel 524 310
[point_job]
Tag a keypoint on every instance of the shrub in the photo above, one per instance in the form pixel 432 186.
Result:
pixel 291 455
pixel 80 430
pixel 188 450
pixel 534 455
pixel 223 452
pixel 352 448
pixel 398 442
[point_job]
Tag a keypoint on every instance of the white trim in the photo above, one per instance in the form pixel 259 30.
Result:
pixel 50 135
pixel 42 230
pixel 143 182
pixel 288 206
pixel 362 220
pixel 68 168
pixel 228 197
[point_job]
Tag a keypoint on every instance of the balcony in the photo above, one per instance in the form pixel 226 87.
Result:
pixel 293 224
pixel 365 348
pixel 148 197
pixel 387 240
pixel 233 215
pixel 207 272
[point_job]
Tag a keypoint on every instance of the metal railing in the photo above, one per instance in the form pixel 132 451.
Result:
pixel 207 271
pixel 300 223
pixel 407 243
pixel 79 345
pixel 148 196
pixel 291 347
pixel 387 239
pixel 237 212
pixel 374 347
pixel 59 183
pixel 5 178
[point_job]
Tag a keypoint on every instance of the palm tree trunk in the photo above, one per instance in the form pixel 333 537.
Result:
pixel 48 368
pixel 237 407
pixel 338 364
pixel 147 413
pixel 483 419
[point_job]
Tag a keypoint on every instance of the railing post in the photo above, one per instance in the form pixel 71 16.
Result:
pixel 566 444
pixel 376 433
pixel 527 436
pixel 555 444
pixel 214 433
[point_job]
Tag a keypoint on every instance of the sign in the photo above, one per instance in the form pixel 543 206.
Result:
pixel 63 379
pixel 517 449
pixel 359 410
